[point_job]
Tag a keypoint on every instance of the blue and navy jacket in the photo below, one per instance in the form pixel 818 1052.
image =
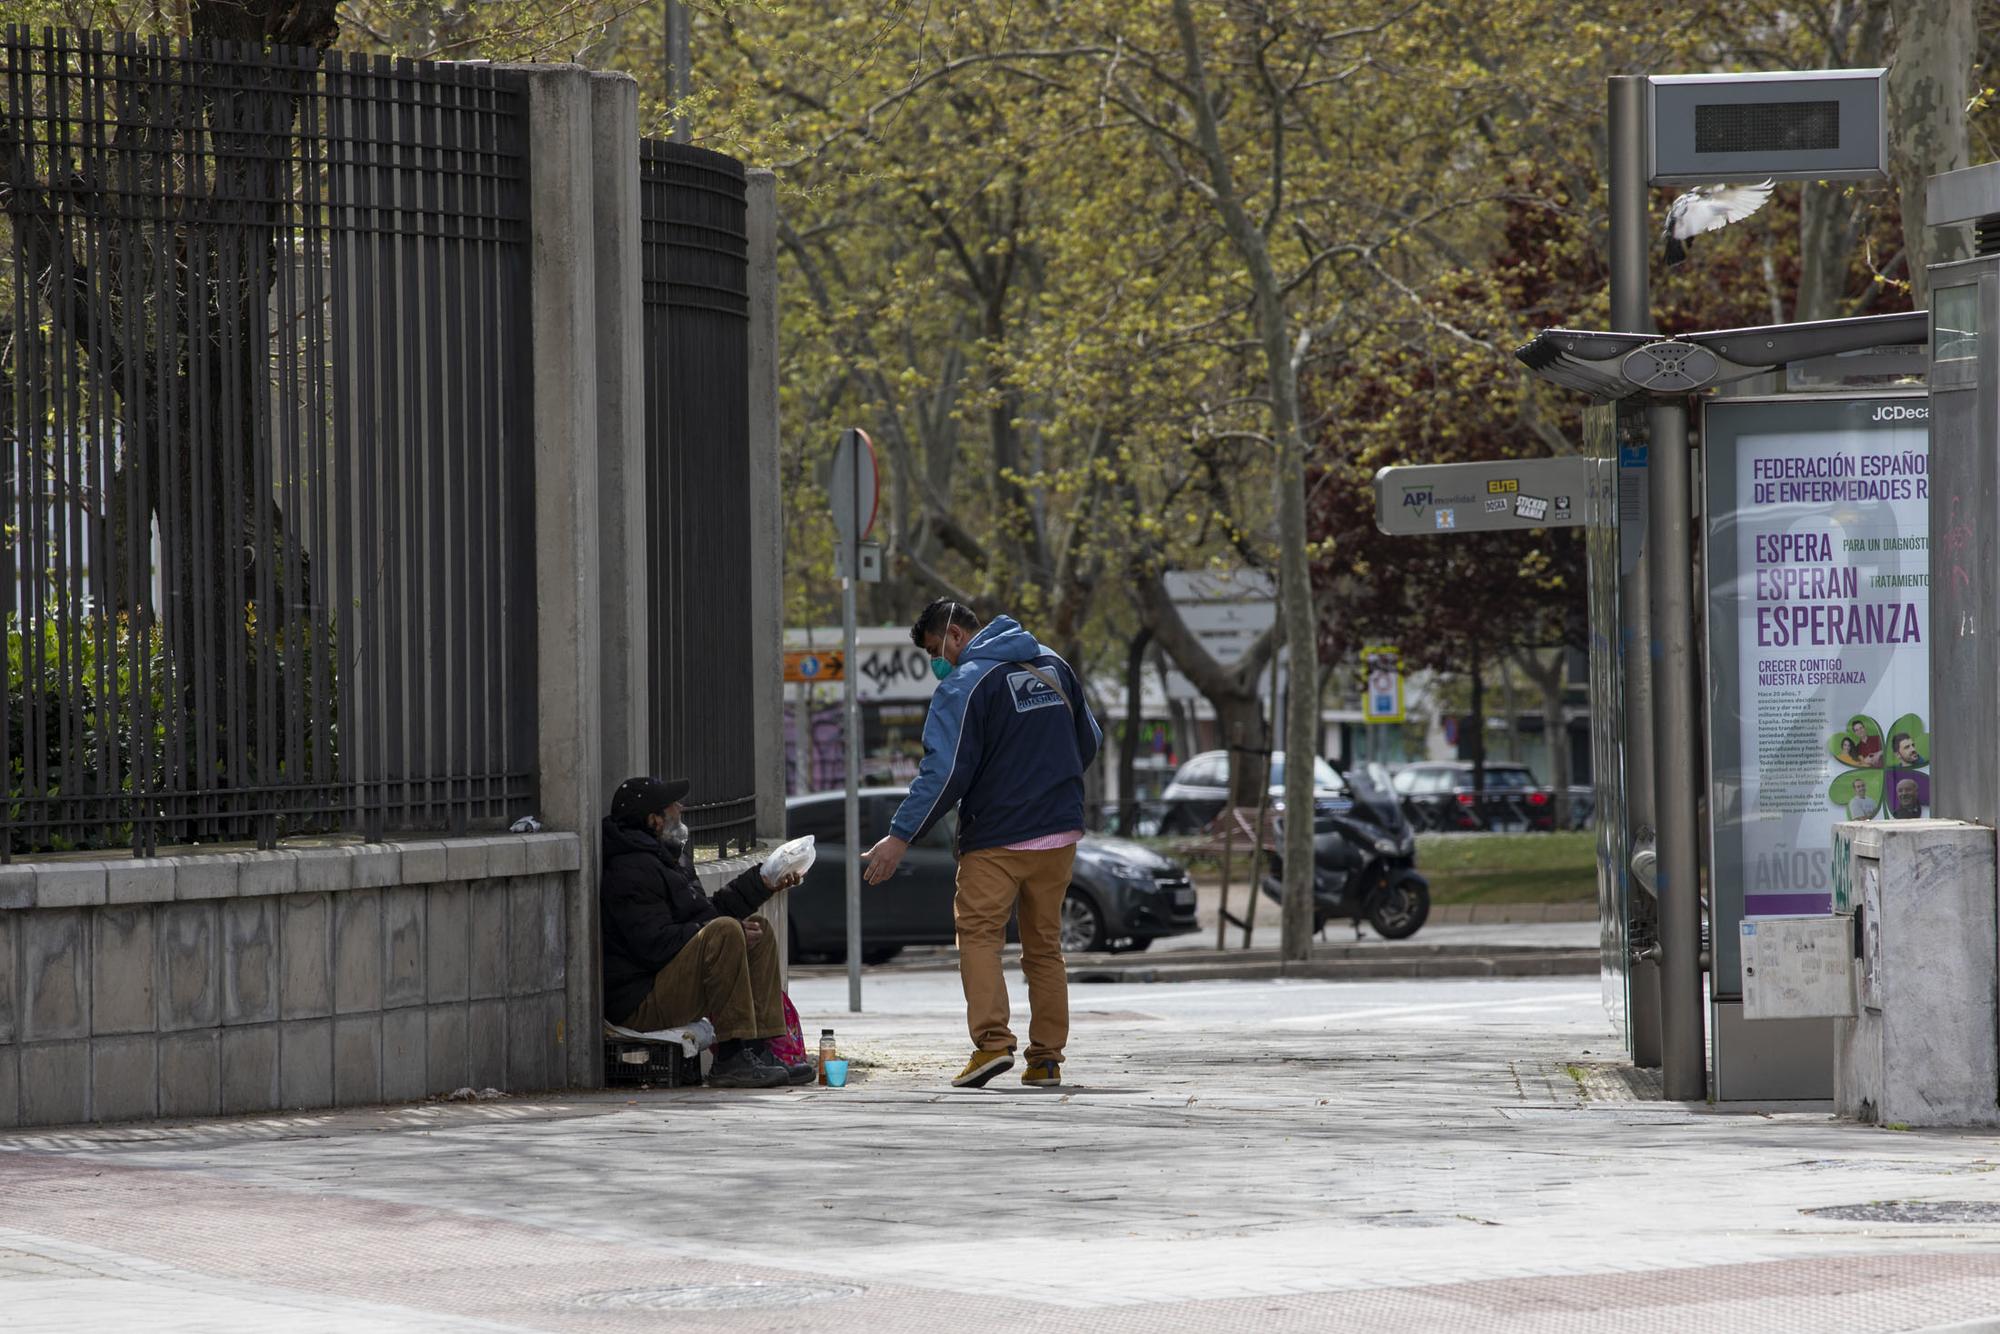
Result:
pixel 1002 747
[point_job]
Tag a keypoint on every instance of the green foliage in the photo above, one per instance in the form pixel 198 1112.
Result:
pixel 996 261
pixel 95 707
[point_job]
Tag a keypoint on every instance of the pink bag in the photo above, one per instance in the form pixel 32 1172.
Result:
pixel 791 1048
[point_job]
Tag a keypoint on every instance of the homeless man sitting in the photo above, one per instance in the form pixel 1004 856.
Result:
pixel 673 955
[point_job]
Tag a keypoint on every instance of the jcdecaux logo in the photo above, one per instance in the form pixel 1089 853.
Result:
pixel 1903 412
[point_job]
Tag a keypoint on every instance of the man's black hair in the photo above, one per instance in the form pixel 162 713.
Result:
pixel 1898 739
pixel 940 616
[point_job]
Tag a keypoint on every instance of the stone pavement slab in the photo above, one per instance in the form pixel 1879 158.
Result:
pixel 1268 1156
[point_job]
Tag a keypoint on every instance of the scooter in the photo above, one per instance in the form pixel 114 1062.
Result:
pixel 1364 865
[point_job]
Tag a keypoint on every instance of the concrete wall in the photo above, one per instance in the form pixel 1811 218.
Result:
pixel 253 982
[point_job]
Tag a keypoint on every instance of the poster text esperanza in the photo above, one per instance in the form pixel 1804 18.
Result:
pixel 1801 566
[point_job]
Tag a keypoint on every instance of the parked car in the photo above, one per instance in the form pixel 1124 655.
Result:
pixel 1201 789
pixel 1122 896
pixel 1439 795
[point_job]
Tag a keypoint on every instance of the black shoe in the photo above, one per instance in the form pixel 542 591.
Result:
pixel 802 1073
pixel 746 1070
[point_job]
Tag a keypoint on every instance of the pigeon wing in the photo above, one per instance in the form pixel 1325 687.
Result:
pixel 1715 206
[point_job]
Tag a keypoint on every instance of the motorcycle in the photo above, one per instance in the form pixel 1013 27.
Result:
pixel 1364 862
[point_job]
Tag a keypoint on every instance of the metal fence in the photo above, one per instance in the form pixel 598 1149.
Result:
pixel 265 462
pixel 696 302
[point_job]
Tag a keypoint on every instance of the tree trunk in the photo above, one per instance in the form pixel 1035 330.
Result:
pixel 1511 703
pixel 1246 731
pixel 313 23
pixel 1936 44
pixel 1093 778
pixel 1548 677
pixel 1478 724
pixel 1830 216
pixel 1128 744
pixel 1232 690
pixel 1295 598
pixel 1181 725
pixel 1828 230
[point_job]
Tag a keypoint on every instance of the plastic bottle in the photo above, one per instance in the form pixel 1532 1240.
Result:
pixel 827 1052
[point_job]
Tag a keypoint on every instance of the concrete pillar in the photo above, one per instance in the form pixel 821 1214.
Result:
pixel 561 223
pixel 767 553
pixel 621 429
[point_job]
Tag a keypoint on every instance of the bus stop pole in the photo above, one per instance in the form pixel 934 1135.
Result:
pixel 1632 312
pixel 1683 1067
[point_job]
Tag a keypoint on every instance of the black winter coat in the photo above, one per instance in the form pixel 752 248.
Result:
pixel 653 906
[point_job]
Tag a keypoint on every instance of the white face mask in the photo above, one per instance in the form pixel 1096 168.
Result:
pixel 676 834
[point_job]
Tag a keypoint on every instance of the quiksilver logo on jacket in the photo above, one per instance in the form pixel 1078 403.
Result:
pixel 1030 692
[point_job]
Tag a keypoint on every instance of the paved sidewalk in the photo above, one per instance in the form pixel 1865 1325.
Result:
pixel 1254 1156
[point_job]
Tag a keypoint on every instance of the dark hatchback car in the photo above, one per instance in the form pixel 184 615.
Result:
pixel 1121 896
pixel 1439 795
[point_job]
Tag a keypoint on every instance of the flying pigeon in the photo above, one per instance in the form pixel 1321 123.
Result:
pixel 1707 207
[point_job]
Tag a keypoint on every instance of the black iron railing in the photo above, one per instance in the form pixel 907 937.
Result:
pixel 265 463
pixel 696 301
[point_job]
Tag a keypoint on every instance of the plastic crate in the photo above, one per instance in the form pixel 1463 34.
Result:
pixel 629 1064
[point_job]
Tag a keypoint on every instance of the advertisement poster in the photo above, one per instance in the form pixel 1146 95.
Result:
pixel 1819 630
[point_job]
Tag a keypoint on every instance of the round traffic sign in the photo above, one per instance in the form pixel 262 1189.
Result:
pixel 854 486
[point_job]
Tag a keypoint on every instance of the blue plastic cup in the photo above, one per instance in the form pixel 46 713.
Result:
pixel 836 1074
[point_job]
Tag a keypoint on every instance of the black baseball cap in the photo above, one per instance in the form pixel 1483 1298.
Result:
pixel 637 798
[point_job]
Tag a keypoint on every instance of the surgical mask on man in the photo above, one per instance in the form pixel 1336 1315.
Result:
pixel 677 833
pixel 940 668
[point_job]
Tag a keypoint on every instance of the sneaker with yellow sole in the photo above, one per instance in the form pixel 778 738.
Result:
pixel 1042 1075
pixel 982 1067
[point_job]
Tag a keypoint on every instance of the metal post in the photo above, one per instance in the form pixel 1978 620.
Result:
pixel 853 731
pixel 1683 1055
pixel 1631 301
pixel 1631 312
pixel 1635 602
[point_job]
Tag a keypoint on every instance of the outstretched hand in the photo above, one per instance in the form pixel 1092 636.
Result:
pixel 883 859
pixel 785 881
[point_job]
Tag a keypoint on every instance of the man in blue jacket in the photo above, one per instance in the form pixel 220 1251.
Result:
pixel 1007 742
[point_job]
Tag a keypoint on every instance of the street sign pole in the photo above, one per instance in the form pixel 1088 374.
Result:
pixel 853 486
pixel 853 730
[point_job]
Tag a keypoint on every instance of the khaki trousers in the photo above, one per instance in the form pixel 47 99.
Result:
pixel 990 883
pixel 721 975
